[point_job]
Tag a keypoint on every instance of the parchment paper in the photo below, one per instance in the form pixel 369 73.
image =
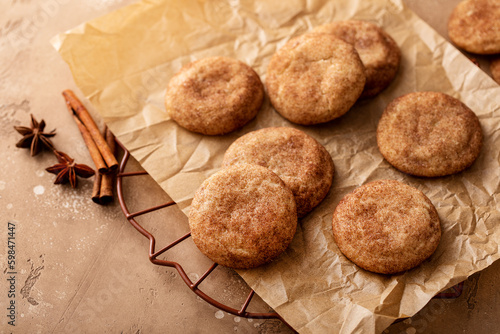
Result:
pixel 122 63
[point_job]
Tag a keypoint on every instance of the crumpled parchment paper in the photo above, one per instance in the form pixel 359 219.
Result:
pixel 123 61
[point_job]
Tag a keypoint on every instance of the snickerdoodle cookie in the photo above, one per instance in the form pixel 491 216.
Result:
pixel 243 216
pixel 386 227
pixel 474 25
pixel 214 96
pixel 298 159
pixel 314 78
pixel 429 134
pixel 378 51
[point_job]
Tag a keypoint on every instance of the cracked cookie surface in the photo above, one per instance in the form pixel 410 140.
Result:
pixel 314 78
pixel 429 134
pixel 214 96
pixel 386 227
pixel 474 25
pixel 243 216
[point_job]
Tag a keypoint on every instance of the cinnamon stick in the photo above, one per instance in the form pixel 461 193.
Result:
pixel 82 113
pixel 102 192
pixel 106 192
pixel 92 147
pixel 96 189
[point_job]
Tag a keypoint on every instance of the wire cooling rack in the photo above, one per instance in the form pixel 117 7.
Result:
pixel 154 253
pixel 452 293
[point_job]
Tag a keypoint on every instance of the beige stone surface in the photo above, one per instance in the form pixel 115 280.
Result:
pixel 82 268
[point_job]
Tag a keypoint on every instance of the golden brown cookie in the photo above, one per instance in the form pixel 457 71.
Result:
pixel 495 69
pixel 378 51
pixel 243 216
pixel 314 78
pixel 386 227
pixel 214 96
pixel 298 159
pixel 474 25
pixel 429 134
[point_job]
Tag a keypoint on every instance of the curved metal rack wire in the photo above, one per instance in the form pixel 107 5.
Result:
pixel 154 254
pixel 452 293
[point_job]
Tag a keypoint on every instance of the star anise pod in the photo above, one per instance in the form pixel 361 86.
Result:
pixel 34 137
pixel 67 170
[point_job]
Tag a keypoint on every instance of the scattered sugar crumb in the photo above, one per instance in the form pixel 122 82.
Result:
pixel 39 190
pixel 219 314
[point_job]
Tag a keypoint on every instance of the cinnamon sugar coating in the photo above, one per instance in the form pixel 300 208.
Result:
pixel 429 134
pixel 378 51
pixel 314 78
pixel 243 216
pixel 214 96
pixel 474 25
pixel 298 159
pixel 386 227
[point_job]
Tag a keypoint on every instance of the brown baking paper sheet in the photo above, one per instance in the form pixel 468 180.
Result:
pixel 122 63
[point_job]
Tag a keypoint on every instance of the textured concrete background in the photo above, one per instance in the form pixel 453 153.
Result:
pixel 80 267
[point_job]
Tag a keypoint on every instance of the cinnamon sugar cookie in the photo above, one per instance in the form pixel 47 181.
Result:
pixel 429 134
pixel 386 227
pixel 474 25
pixel 314 78
pixel 298 159
pixel 378 51
pixel 214 96
pixel 243 216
